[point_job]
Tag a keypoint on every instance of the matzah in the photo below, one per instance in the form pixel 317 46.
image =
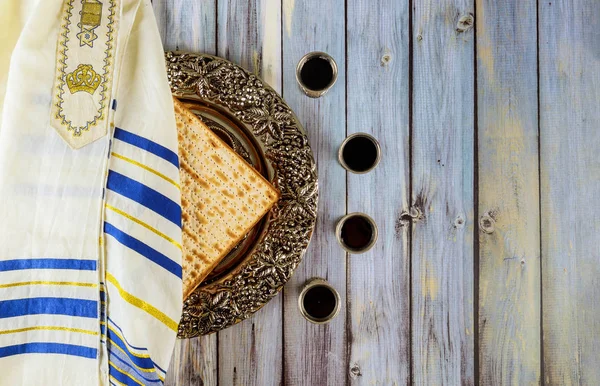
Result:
pixel 223 197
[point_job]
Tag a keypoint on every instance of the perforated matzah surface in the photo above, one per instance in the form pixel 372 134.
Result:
pixel 222 197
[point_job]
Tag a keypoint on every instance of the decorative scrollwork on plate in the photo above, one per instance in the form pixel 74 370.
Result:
pixel 248 287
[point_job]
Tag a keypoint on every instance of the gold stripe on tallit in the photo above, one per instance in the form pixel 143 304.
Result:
pixel 25 283
pixel 48 328
pixel 139 303
pixel 140 222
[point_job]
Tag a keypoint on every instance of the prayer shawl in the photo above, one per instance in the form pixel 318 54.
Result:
pixel 90 218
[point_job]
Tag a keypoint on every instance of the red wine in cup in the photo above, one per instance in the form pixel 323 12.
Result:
pixel 357 233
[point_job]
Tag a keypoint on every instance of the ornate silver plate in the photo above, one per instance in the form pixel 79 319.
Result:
pixel 256 122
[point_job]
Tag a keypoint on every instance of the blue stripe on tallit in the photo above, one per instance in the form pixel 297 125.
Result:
pixel 15 265
pixel 160 368
pixel 145 196
pixel 143 249
pixel 49 306
pixel 124 379
pixel 124 363
pixel 132 346
pixel 148 145
pixel 48 348
pixel 144 363
pixel 123 335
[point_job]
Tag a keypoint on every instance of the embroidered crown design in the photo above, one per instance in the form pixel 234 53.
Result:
pixel 84 78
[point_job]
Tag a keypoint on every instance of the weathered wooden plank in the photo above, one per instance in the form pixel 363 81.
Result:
pixel 442 193
pixel 194 362
pixel 570 181
pixel 251 352
pixel 316 354
pixel 187 25
pixel 509 230
pixel 190 25
pixel 378 281
pixel 249 34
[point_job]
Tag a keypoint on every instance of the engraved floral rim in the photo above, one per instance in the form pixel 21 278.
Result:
pixel 292 170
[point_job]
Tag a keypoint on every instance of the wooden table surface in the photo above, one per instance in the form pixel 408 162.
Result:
pixel 487 267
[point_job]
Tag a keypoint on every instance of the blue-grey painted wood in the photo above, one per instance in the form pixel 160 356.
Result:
pixel 190 25
pixel 187 25
pixel 378 281
pixel 316 354
pixel 194 362
pixel 570 189
pixel 373 347
pixel 442 193
pixel 249 34
pixel 509 234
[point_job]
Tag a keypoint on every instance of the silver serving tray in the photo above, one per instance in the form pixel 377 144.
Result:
pixel 255 121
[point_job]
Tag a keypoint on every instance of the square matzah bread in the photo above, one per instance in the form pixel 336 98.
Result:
pixel 222 196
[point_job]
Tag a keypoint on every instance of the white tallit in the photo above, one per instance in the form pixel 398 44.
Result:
pixel 90 218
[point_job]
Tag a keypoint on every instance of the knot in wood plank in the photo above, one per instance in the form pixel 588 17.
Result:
pixel 386 59
pixel 413 215
pixel 355 371
pixel 487 223
pixel 459 222
pixel 465 23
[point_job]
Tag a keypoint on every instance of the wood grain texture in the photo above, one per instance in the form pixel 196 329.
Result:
pixel 190 25
pixel 316 354
pixel 378 282
pixel 252 350
pixel 570 181
pixel 249 34
pixel 442 194
pixel 194 362
pixel 509 236
pixel 187 25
